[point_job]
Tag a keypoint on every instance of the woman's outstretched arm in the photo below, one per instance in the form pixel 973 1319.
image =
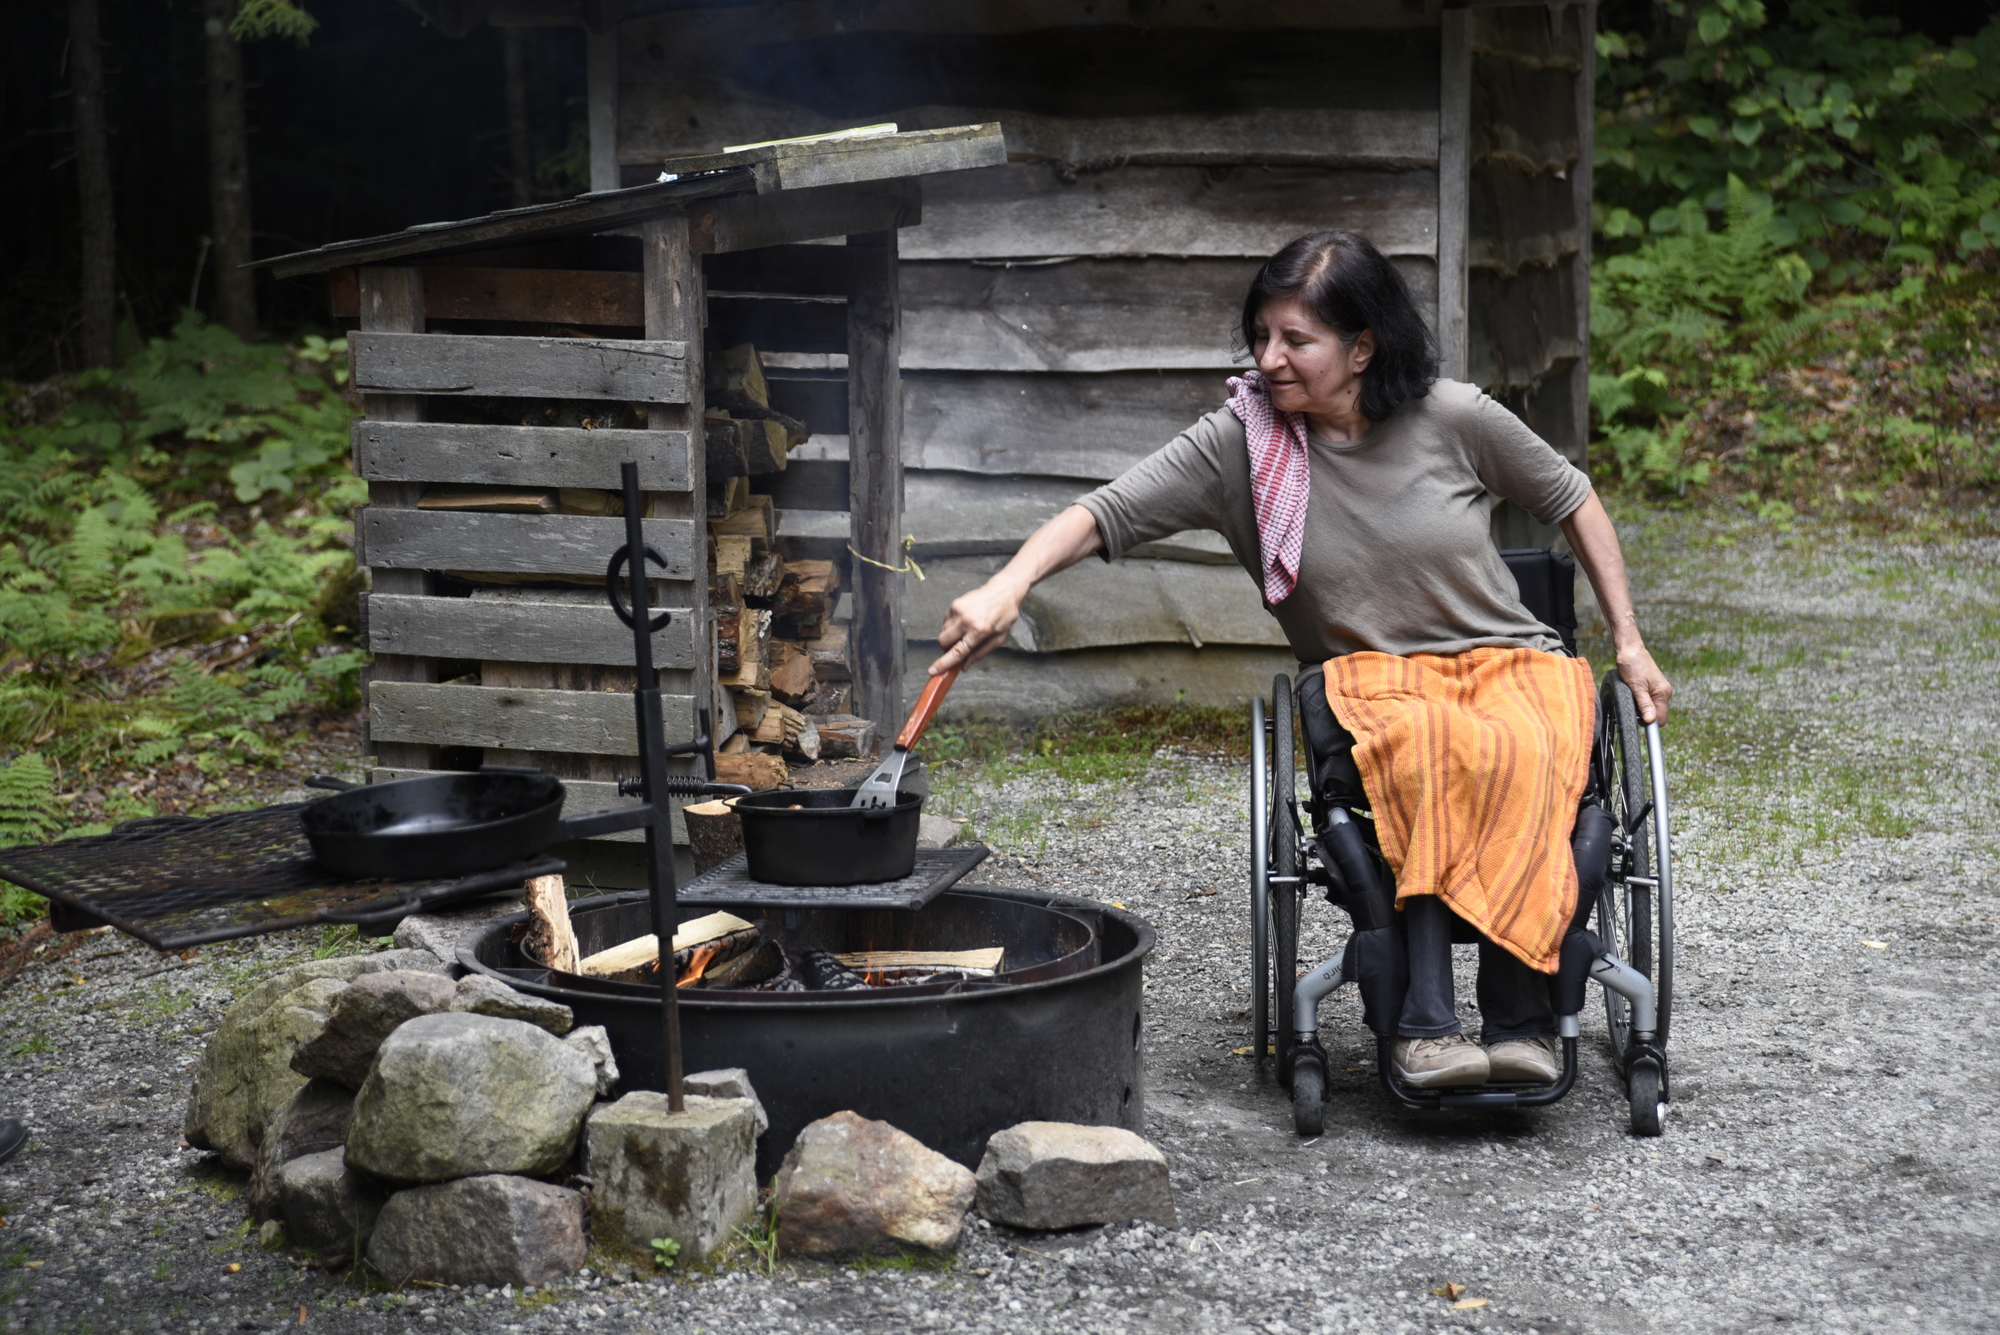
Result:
pixel 1595 542
pixel 978 622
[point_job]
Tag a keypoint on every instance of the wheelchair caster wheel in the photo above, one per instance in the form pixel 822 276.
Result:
pixel 1308 1093
pixel 1648 1108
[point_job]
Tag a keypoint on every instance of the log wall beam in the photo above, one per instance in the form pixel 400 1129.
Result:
pixel 875 482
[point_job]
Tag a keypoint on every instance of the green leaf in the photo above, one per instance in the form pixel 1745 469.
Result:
pixel 1746 132
pixel 1712 26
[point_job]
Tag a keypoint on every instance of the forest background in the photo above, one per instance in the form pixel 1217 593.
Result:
pixel 1796 255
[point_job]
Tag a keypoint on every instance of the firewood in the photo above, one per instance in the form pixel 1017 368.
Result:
pixel 829 698
pixel 753 651
pixel 755 769
pixel 755 520
pixel 751 706
pixel 715 835
pixel 765 445
pixel 732 554
pixel 843 736
pixel 726 496
pixel 725 601
pixel 791 672
pixel 761 574
pixel 589 501
pixel 736 378
pixel 829 654
pixel 735 745
pixel 551 939
pixel 748 969
pixel 789 730
pixel 493 500
pixel 986 960
pixel 643 950
pixel 724 445
pixel 805 744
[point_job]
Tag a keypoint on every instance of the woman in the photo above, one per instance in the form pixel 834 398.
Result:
pixel 1357 490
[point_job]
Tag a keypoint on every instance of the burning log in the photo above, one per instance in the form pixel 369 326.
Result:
pixel 634 960
pixel 822 971
pixel 750 968
pixel 984 962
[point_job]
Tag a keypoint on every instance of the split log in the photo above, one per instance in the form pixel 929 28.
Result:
pixel 829 654
pixel 785 727
pixel 715 835
pixel 589 501
pixel 751 706
pixel 761 574
pixel 732 554
pixel 736 378
pixel 755 520
pixel 792 677
pixel 725 601
pixel 843 736
pixel 753 651
pixel 805 599
pixel 727 495
pixel 736 744
pixel 829 698
pixel 985 960
pixel 739 447
pixel 748 969
pixel 755 769
pixel 491 500
pixel 641 951
pixel 550 939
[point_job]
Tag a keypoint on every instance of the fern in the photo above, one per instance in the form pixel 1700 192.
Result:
pixel 28 810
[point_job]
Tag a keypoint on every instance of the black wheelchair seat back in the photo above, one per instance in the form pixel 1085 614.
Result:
pixel 1548 589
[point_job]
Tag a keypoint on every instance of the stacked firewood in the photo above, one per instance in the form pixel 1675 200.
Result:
pixel 781 655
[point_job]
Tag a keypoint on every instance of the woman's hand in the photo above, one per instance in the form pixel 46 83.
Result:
pixel 978 622
pixel 1650 688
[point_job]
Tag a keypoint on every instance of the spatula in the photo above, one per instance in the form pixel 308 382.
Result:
pixel 878 791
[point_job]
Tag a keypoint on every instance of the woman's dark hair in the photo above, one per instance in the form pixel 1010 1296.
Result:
pixel 1349 286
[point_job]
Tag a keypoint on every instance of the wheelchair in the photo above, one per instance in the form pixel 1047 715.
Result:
pixel 1324 840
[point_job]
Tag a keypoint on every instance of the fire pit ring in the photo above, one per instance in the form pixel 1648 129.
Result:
pixel 1051 1039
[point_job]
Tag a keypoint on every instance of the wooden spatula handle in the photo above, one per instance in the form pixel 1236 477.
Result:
pixel 927 708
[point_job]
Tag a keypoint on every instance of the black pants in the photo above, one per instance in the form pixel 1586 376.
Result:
pixel 1513 998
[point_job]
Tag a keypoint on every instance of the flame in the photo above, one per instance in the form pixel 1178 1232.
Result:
pixel 698 963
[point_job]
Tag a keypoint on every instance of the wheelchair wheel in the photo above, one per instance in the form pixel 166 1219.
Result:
pixel 1648 1099
pixel 1630 916
pixel 1283 863
pixel 1308 1095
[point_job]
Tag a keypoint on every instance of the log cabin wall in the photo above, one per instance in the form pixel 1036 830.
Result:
pixel 1067 313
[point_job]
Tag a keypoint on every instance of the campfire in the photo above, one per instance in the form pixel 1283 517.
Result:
pixel 722 950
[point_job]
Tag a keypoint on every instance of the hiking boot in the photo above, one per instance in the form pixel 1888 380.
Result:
pixel 1525 1061
pixel 1436 1063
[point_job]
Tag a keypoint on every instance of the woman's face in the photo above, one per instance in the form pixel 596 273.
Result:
pixel 1307 366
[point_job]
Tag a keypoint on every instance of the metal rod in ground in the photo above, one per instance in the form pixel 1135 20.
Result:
pixel 653 773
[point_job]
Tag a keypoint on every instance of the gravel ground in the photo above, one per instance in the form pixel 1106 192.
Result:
pixel 1828 1161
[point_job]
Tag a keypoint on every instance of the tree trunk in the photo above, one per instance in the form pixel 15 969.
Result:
pixel 228 173
pixel 93 179
pixel 521 167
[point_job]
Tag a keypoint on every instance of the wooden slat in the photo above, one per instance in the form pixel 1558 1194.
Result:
pixel 517 544
pixel 747 222
pixel 598 723
pixel 534 296
pixel 1366 137
pixel 1082 426
pixel 1454 167
pixel 875 484
pixel 1029 209
pixel 1521 219
pixel 794 167
pixel 1522 116
pixel 525 456
pixel 518 631
pixel 633 370
pixel 581 797
pixel 1089 314
pixel 1522 326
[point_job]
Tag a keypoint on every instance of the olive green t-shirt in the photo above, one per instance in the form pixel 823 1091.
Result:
pixel 1398 555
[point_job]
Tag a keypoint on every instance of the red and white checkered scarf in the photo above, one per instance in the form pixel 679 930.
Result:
pixel 1280 477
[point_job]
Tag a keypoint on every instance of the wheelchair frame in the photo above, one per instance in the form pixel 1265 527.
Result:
pixel 1631 957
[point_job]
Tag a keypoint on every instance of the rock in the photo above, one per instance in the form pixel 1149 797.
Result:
pixel 852 1185
pixel 480 995
pixel 727 1082
pixel 490 1230
pixel 690 1176
pixel 313 1119
pixel 937 831
pixel 1044 1175
pixel 593 1042
pixel 245 1073
pixel 457 1095
pixel 439 933
pixel 327 1205
pixel 366 1012
pixel 271 1235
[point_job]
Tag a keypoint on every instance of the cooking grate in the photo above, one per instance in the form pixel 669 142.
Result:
pixel 937 870
pixel 179 881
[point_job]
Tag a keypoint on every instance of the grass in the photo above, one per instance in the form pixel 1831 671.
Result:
pixel 902 1259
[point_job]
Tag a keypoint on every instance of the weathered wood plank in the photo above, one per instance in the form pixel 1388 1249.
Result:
pixel 525 456
pixel 581 797
pixel 1093 605
pixel 1082 426
pixel 533 296
pixel 747 222
pixel 1365 137
pixel 797 166
pixel 1521 220
pixel 1522 116
pixel 875 483
pixel 518 631
pixel 1029 209
pixel 517 544
pixel 633 370
pixel 599 723
pixel 1453 207
pixel 1521 326
pixel 1088 314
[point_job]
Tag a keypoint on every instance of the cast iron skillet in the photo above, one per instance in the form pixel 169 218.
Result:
pixel 437 825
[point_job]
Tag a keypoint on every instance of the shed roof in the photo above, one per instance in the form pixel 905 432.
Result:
pixel 765 169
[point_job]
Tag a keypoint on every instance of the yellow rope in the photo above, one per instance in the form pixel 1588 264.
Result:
pixel 909 566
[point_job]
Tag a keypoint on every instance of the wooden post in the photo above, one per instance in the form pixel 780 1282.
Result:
pixel 392 301
pixel 1580 184
pixel 1454 191
pixel 676 306
pixel 875 481
pixel 600 55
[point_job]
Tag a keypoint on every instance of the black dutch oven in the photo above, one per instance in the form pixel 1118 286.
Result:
pixel 816 836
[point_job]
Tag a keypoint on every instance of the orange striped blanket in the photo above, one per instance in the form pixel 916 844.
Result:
pixel 1475 763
